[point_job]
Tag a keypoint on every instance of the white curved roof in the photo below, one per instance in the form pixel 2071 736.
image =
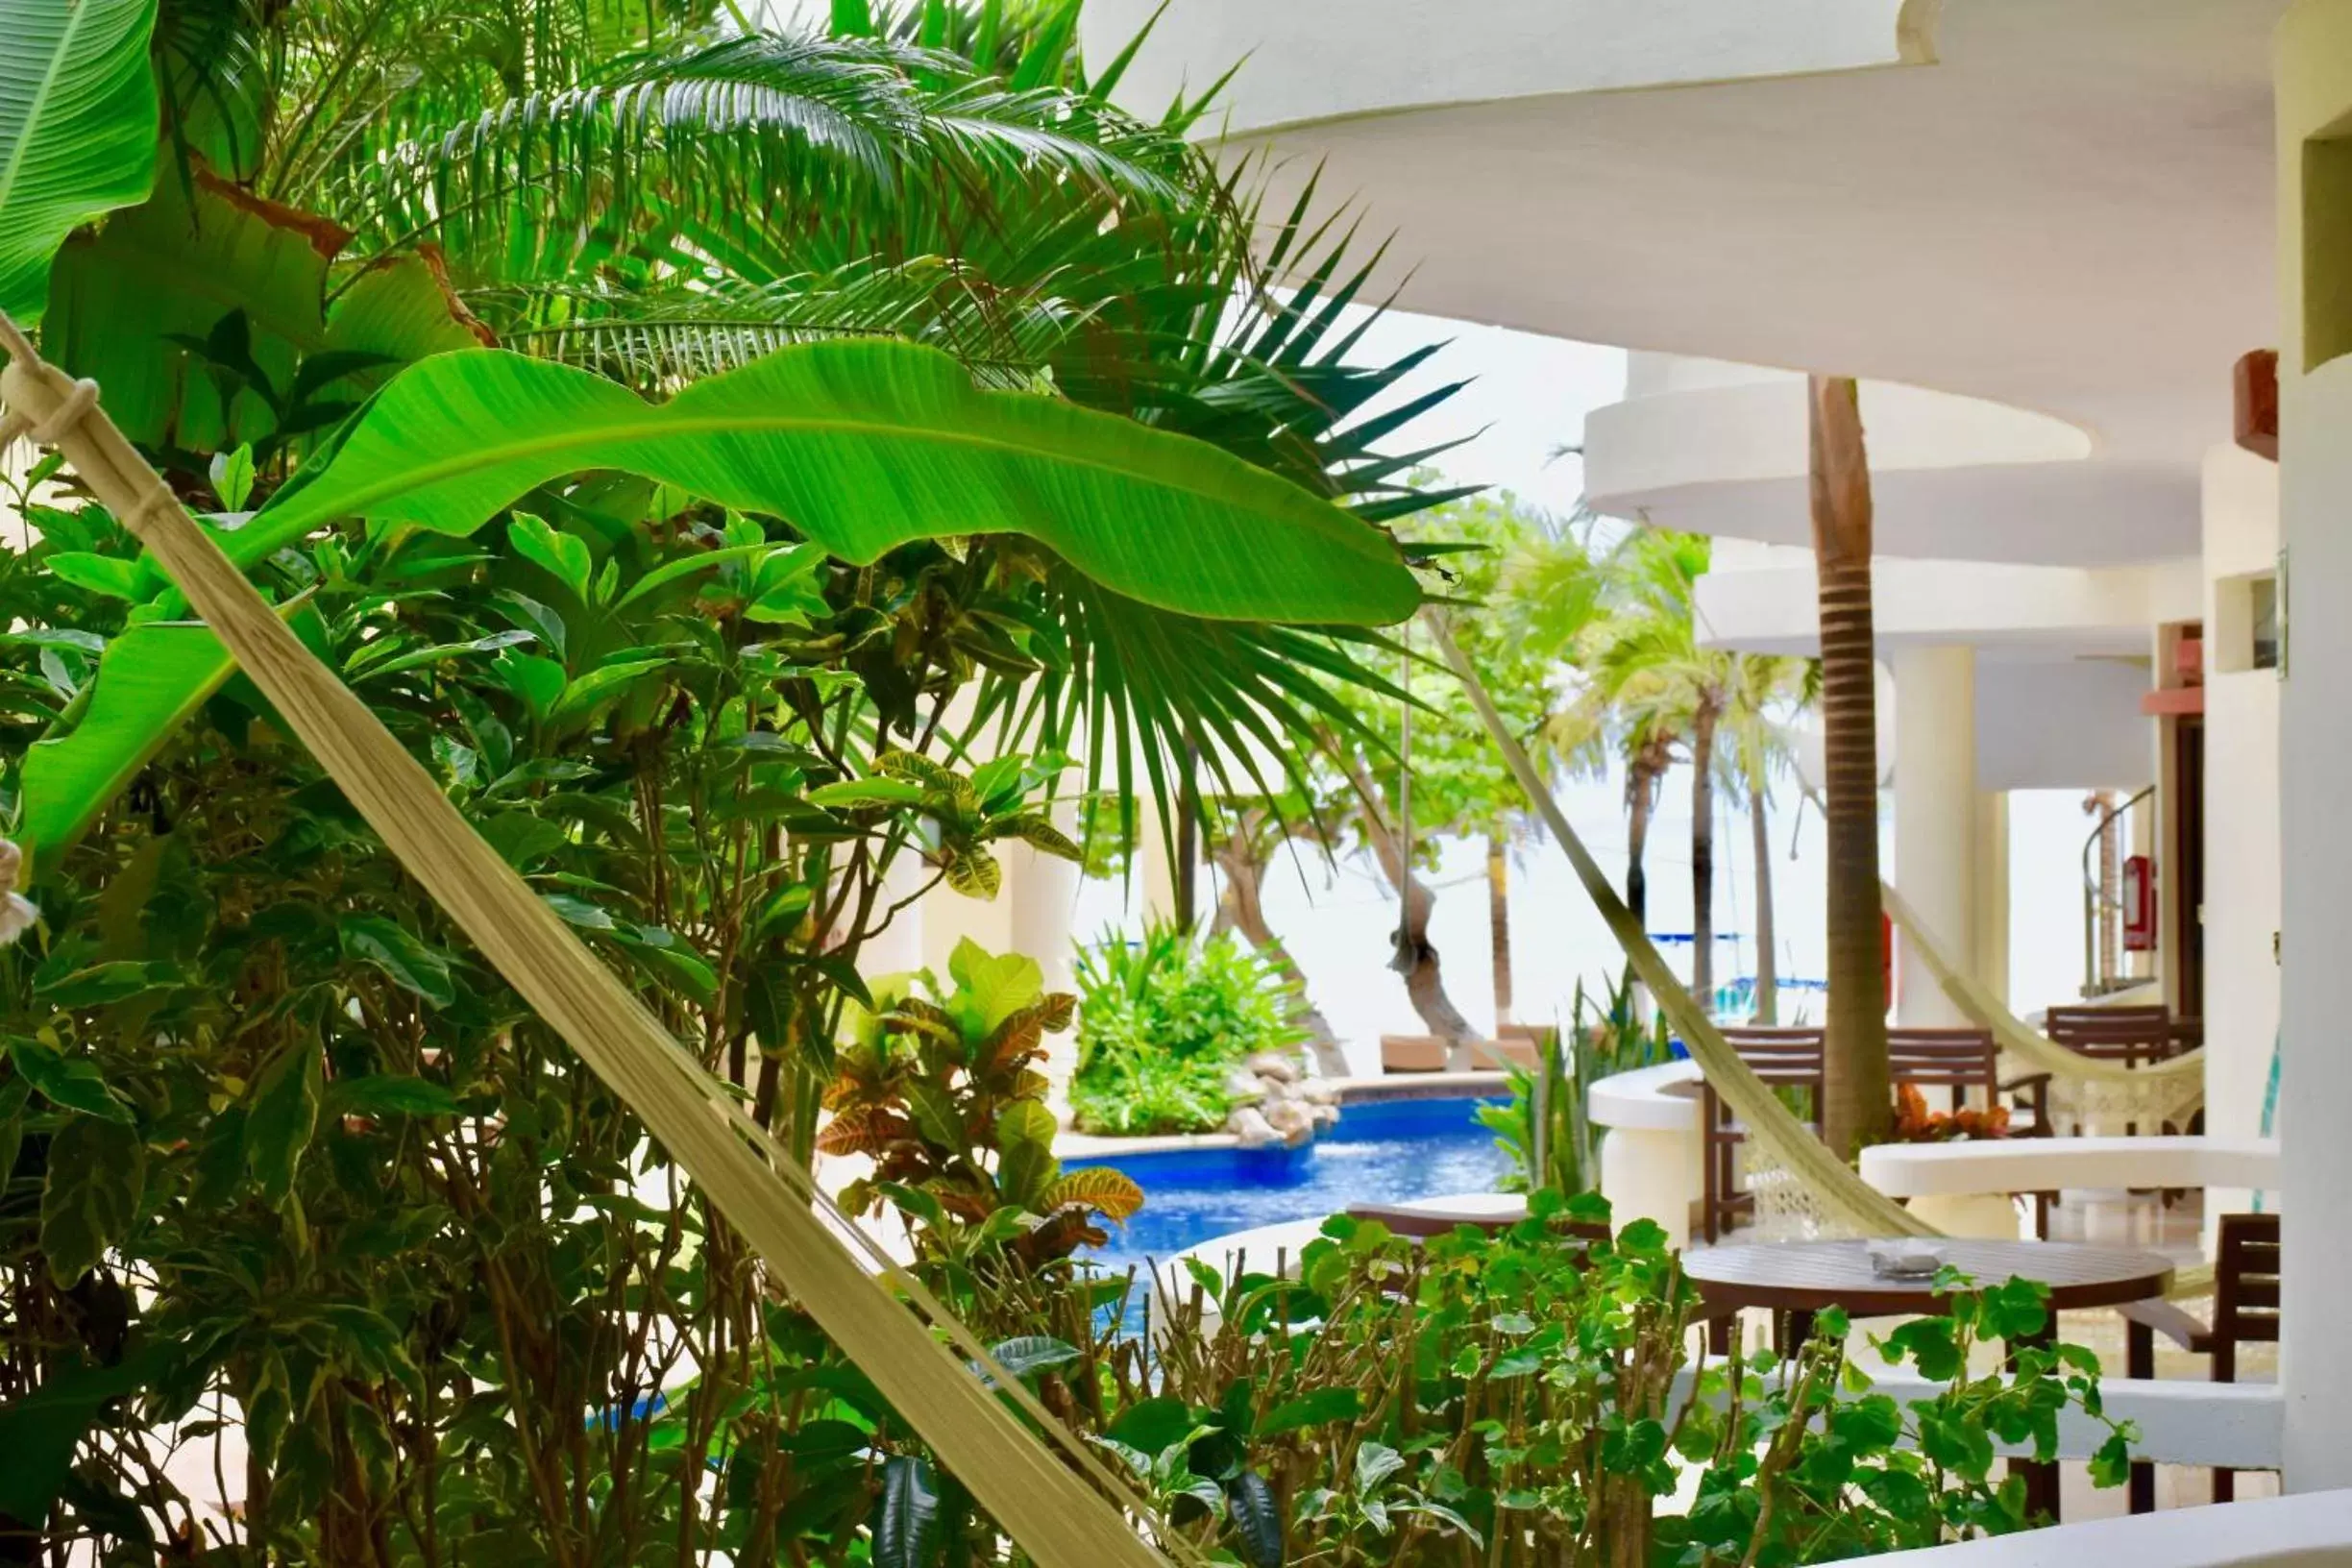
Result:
pixel 2069 210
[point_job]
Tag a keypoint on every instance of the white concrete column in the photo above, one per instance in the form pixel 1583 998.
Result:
pixel 1154 849
pixel 2314 80
pixel 949 918
pixel 899 947
pixel 1030 914
pixel 1935 817
pixel 1042 893
pixel 2242 805
pixel 1993 891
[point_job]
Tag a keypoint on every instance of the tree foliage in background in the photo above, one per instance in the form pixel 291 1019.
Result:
pixel 278 1154
pixel 1654 693
pixel 1533 579
pixel 1163 1021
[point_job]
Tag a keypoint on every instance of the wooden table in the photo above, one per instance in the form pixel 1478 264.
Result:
pixel 1795 1280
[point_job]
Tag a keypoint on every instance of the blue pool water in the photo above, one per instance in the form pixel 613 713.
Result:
pixel 1381 1151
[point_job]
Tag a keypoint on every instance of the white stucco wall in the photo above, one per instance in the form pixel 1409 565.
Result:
pixel 1373 56
pixel 2313 66
pixel 2061 723
pixel 2241 814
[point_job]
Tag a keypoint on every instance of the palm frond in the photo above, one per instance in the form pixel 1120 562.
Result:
pixel 754 137
pixel 657 339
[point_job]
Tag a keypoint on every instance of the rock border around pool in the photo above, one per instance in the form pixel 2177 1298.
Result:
pixel 1072 1144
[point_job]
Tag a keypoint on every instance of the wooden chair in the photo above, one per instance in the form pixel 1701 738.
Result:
pixel 1784 1059
pixel 1514 1045
pixel 2246 1313
pixel 2129 1035
pixel 1962 1060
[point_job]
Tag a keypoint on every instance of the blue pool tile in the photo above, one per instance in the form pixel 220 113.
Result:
pixel 1383 1151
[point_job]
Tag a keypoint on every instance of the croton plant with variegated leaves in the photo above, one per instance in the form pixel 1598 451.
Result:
pixel 942 1092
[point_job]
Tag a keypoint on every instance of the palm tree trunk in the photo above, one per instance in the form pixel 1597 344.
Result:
pixel 1417 956
pixel 1642 771
pixel 1856 1101
pixel 1703 855
pixel 1241 862
pixel 1498 923
pixel 1767 962
pixel 1641 794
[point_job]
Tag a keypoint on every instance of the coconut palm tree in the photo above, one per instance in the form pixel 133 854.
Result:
pixel 1762 691
pixel 1857 1105
pixel 1661 696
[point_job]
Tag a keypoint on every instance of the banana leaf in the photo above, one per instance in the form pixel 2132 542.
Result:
pixel 77 130
pixel 862 446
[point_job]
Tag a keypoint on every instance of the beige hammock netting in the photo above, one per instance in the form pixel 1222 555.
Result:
pixel 1801 1189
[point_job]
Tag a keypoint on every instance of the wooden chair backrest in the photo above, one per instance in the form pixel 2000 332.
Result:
pixel 2246 1280
pixel 1783 1058
pixel 2130 1035
pixel 1962 1059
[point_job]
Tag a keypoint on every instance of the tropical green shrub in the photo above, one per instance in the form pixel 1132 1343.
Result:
pixel 1565 1155
pixel 1527 1399
pixel 943 1096
pixel 278 1146
pixel 1162 1023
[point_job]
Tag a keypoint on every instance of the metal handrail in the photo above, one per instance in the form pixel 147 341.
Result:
pixel 2098 906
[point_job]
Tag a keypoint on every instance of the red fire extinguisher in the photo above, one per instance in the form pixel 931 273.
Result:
pixel 2139 904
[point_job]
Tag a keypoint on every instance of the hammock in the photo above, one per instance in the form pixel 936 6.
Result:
pixel 1800 1187
pixel 1800 1184
pixel 948 1386
pixel 2154 1094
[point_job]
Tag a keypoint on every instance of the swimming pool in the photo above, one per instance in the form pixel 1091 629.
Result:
pixel 1381 1151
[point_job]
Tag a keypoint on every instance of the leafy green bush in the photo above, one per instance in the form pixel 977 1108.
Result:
pixel 1554 1097
pixel 1529 1398
pixel 1161 1024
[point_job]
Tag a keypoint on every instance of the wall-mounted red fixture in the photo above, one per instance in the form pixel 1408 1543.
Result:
pixel 2139 904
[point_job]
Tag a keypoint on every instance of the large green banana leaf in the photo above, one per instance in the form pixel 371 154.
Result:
pixel 864 446
pixel 150 680
pixel 78 128
pixel 128 304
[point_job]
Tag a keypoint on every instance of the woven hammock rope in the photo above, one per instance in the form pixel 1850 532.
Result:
pixel 2155 1092
pixel 926 1363
pixel 1801 1189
